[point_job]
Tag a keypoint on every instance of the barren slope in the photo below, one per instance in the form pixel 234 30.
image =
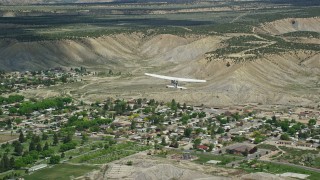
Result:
pixel 290 25
pixel 108 50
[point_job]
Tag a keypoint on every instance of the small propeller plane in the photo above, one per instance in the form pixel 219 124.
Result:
pixel 175 80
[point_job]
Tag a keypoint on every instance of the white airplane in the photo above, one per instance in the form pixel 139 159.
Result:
pixel 175 80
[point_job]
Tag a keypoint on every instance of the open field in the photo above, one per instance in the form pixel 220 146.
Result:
pixel 225 159
pixel 7 137
pixel 61 171
pixel 114 152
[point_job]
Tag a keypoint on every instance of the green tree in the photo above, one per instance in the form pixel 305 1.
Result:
pixel 18 148
pixel 284 125
pixel 64 78
pixel 11 162
pixel 18 120
pixel 139 101
pixel 32 146
pixel 312 122
pixel 84 138
pixel 285 136
pixel 198 130
pixel 173 105
pixel 44 136
pixel 39 148
pixel 220 130
pixel 21 137
pixel 211 146
pixel 196 143
pixel 133 125
pixel 29 135
pixel 54 159
pixel 55 139
pixel 46 146
pixel 184 106
pixel 19 163
pixel 187 132
pixel 163 141
pixel 35 139
pixel 5 163
pixel 292 131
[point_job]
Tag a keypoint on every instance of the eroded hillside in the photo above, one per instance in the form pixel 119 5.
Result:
pixel 291 76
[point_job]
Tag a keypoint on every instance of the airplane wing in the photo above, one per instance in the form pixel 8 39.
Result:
pixel 175 78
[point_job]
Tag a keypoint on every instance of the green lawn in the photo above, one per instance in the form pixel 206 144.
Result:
pixel 60 172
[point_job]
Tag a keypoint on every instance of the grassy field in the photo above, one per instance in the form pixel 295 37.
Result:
pixel 60 172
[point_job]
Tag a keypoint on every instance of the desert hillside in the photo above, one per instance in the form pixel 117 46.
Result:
pixel 290 25
pixel 288 77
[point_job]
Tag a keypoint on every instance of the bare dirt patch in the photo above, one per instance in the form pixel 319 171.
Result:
pixel 7 137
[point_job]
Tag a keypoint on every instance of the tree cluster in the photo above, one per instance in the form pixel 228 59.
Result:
pixel 11 99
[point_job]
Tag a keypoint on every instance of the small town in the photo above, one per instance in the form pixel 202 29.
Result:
pixel 37 133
